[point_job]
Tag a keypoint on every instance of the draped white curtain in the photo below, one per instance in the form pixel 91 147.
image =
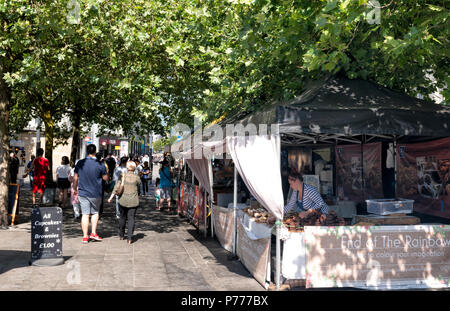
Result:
pixel 257 159
pixel 200 167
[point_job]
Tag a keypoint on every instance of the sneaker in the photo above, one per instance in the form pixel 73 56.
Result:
pixel 85 240
pixel 95 237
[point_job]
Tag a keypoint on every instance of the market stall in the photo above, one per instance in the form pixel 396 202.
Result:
pixel 331 114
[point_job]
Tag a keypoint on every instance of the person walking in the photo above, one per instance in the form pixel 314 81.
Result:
pixel 98 155
pixel 40 167
pixel 74 197
pixel 128 200
pixel 111 163
pixel 14 164
pixel 122 168
pixel 87 183
pixel 31 173
pixel 145 176
pixel 62 177
pixel 165 184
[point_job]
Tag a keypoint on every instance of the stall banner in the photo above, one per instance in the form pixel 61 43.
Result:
pixel 423 175
pixel 378 257
pixel 373 182
pixel 349 172
pixel 223 226
pixel 192 204
pixel 200 209
pixel 184 195
pixel 254 254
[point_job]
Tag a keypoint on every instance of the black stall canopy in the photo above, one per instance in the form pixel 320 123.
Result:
pixel 338 108
pixel 337 111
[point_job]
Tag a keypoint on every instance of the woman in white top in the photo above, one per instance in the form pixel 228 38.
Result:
pixel 62 176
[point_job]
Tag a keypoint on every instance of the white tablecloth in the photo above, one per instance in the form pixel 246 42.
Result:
pixel 293 263
pixel 254 229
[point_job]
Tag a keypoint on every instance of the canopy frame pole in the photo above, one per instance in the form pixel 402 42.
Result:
pixel 278 255
pixel 234 209
pixel 205 212
pixel 211 196
pixel 278 227
pixel 395 166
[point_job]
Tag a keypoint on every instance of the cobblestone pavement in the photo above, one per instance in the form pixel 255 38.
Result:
pixel 168 255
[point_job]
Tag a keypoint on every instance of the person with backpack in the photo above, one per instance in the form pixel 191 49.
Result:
pixel 127 189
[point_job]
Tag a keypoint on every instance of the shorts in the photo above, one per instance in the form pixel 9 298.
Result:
pixel 39 184
pixel 157 197
pixel 166 193
pixel 89 206
pixel 63 183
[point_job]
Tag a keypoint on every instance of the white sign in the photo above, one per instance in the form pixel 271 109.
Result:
pixel 123 148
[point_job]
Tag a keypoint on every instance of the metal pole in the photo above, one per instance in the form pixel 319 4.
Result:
pixel 234 208
pixel 278 255
pixel 211 197
pixel 395 167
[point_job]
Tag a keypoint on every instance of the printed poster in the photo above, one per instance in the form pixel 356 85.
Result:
pixel 423 175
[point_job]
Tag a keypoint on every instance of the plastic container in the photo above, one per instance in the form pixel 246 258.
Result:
pixel 390 206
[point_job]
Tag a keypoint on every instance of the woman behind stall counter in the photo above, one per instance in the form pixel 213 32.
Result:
pixel 304 198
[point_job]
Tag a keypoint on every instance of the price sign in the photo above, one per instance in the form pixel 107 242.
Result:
pixel 46 233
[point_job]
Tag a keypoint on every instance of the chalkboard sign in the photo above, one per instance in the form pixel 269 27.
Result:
pixel 13 201
pixel 46 233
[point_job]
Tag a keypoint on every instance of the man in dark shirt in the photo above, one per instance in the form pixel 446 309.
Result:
pixel 88 177
pixel 13 168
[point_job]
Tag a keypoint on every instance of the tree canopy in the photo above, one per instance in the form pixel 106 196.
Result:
pixel 145 65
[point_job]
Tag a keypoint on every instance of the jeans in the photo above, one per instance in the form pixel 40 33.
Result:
pixel 144 185
pixel 126 213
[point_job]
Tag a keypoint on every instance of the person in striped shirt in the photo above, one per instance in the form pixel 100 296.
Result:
pixel 304 198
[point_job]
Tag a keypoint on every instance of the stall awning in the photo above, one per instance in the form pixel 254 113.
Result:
pixel 340 106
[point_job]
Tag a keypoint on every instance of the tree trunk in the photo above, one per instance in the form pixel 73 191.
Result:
pixel 4 150
pixel 49 136
pixel 75 139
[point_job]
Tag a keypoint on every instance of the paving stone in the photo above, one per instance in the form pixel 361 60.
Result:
pixel 154 280
pixel 168 254
pixel 116 280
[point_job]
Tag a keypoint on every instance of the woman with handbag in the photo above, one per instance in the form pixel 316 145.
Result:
pixel 127 189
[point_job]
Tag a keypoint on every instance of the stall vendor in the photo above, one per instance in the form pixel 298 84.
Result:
pixel 304 198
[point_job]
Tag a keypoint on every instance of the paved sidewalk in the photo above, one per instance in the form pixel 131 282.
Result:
pixel 168 254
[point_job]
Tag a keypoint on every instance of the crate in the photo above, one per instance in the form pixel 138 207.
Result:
pixel 390 206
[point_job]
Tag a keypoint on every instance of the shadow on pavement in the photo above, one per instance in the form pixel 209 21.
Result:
pixel 10 260
pixel 220 256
